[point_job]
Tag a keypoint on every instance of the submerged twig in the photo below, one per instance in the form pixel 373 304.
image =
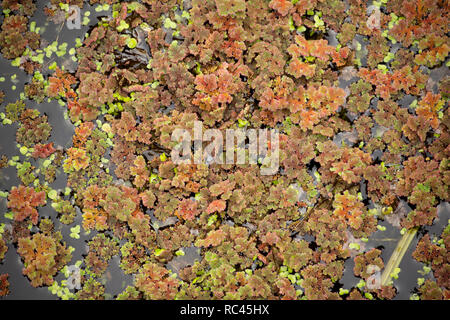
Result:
pixel 397 255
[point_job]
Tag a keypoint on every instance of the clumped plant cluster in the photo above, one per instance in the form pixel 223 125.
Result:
pixel 363 130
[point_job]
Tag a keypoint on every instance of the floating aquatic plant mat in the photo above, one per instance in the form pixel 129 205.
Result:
pixel 224 149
